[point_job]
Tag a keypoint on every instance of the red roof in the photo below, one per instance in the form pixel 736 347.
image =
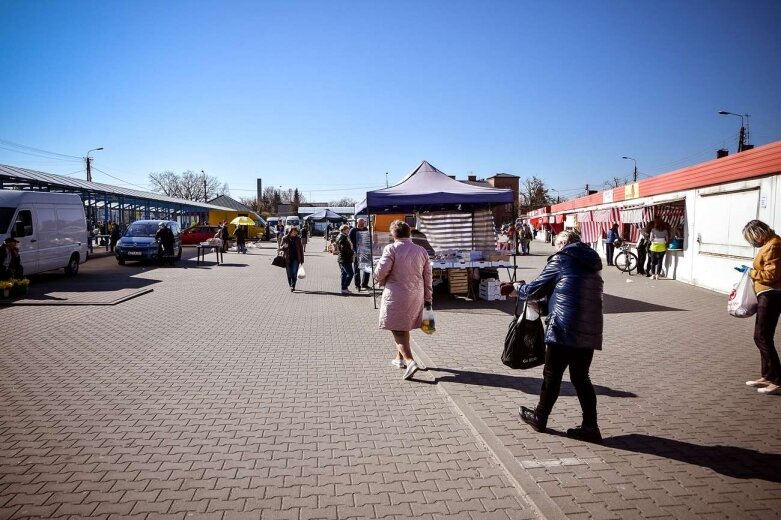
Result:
pixel 764 160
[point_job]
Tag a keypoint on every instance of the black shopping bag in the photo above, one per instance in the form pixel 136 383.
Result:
pixel 279 260
pixel 524 345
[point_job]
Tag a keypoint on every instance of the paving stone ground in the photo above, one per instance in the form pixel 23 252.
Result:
pixel 222 395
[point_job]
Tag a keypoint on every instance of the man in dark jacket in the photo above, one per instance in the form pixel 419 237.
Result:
pixel 344 249
pixel 572 284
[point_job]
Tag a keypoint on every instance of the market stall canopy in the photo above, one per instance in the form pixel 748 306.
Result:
pixel 326 215
pixel 428 188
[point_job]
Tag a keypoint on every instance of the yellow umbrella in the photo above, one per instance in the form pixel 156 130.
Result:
pixel 243 221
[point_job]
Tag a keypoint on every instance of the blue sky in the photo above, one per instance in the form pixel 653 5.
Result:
pixel 327 96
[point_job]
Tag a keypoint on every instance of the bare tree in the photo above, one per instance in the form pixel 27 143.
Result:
pixel 188 185
pixel 342 203
pixel 251 203
pixel 533 194
pixel 615 182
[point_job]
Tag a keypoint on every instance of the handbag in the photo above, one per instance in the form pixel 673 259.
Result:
pixel 279 260
pixel 524 345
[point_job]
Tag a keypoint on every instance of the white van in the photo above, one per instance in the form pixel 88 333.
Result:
pixel 292 221
pixel 51 229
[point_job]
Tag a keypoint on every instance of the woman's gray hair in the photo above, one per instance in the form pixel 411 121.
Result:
pixel 566 237
pixel 400 229
pixel 757 232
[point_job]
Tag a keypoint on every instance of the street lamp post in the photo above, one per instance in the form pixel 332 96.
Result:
pixel 743 138
pixel 89 163
pixel 634 176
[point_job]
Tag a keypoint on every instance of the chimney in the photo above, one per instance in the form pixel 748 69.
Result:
pixel 472 178
pixel 723 152
pixel 452 177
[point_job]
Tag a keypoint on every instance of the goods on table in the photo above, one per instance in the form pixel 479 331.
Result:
pixel 463 259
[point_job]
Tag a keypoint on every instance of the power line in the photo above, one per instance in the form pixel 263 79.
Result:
pixel 32 154
pixel 38 150
pixel 120 180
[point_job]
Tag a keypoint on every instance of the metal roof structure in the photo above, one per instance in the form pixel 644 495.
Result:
pixel 11 176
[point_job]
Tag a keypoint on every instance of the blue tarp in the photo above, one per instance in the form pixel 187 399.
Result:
pixel 428 188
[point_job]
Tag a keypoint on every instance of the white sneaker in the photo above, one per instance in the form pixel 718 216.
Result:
pixel 411 369
pixel 758 383
pixel 770 389
pixel 399 363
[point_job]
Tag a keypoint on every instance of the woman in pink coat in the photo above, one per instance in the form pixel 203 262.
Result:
pixel 405 271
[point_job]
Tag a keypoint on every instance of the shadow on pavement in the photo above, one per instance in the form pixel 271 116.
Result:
pixel 731 461
pixel 618 305
pixel 449 303
pixel 529 385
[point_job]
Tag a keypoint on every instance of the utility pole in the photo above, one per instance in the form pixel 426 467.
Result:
pixel 386 179
pixel 205 195
pixel 89 163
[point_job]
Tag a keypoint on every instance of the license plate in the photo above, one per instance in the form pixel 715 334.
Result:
pixel 134 253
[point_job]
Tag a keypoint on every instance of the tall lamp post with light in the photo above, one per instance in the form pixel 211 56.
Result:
pixel 88 159
pixel 634 176
pixel 743 138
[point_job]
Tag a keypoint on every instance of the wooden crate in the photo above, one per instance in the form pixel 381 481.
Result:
pixel 458 280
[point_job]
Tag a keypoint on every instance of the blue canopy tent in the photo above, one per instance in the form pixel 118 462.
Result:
pixel 429 189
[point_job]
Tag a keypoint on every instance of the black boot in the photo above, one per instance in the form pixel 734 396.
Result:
pixel 586 433
pixel 531 418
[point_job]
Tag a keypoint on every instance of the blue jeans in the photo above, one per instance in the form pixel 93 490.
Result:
pixel 292 273
pixel 347 274
pixel 525 247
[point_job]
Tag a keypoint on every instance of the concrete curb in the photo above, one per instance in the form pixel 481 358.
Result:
pixel 528 488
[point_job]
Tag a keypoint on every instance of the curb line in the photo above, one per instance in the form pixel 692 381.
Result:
pixel 529 490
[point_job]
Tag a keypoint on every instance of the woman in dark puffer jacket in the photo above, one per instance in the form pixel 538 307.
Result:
pixel 572 284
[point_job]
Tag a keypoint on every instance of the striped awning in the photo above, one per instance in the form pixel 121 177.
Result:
pixel 459 230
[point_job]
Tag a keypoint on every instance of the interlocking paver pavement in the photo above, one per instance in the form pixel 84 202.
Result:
pixel 684 437
pixel 222 395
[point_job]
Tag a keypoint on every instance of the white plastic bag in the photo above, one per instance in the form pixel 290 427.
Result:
pixel 532 310
pixel 301 272
pixel 429 325
pixel 742 301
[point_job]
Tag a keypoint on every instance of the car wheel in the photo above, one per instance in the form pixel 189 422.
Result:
pixel 121 261
pixel 72 268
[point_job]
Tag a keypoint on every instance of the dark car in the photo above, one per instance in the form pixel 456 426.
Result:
pixel 139 243
pixel 197 234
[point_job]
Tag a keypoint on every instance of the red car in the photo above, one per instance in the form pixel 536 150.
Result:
pixel 197 234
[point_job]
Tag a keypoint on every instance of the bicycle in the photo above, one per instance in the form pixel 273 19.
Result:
pixel 626 260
